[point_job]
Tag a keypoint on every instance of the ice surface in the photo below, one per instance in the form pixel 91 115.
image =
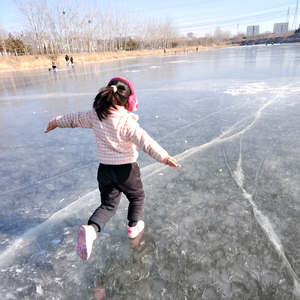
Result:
pixel 223 226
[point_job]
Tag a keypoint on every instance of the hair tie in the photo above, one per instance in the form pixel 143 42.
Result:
pixel 114 88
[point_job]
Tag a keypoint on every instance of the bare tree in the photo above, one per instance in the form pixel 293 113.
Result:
pixel 111 20
pixel 2 40
pixel 82 26
pixel 152 32
pixel 208 39
pixel 91 22
pixel 122 27
pixel 169 32
pixel 78 18
pixel 33 17
pixel 28 39
pixel 57 24
pixel 66 24
pixel 142 32
pixel 101 30
pixel 220 36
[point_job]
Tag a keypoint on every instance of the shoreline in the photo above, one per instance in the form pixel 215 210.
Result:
pixel 31 62
pixel 38 61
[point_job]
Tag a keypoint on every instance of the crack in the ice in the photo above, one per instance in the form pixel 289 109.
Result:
pixel 265 156
pixel 188 125
pixel 262 220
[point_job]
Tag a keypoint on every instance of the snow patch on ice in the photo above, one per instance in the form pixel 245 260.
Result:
pixel 248 89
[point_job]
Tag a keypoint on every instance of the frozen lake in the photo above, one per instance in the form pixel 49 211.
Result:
pixel 223 226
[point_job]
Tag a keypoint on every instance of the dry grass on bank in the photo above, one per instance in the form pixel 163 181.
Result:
pixel 11 63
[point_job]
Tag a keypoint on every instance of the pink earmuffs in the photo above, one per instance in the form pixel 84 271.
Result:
pixel 132 103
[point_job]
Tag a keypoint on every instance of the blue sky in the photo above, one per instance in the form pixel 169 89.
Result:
pixel 200 17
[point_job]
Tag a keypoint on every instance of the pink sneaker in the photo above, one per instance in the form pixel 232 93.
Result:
pixel 133 232
pixel 85 238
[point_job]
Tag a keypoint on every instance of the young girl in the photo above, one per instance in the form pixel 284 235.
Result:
pixel 117 135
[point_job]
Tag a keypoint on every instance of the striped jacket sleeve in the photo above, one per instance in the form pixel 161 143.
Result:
pixel 79 119
pixel 144 142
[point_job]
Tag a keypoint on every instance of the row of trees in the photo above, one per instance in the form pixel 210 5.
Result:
pixel 73 26
pixel 18 44
pixel 60 26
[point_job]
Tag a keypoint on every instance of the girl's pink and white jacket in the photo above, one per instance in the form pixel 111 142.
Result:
pixel 116 137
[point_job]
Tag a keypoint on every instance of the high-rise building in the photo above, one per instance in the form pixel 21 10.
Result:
pixel 253 30
pixel 281 27
pixel 190 35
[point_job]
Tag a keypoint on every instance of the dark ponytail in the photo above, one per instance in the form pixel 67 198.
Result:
pixel 108 97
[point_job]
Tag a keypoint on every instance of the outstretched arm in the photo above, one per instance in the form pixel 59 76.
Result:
pixel 144 142
pixel 172 162
pixel 72 120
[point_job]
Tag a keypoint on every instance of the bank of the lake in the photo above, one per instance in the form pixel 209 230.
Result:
pixel 10 63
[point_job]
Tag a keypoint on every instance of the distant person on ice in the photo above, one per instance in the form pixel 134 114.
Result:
pixel 54 66
pixel 117 135
pixel 71 60
pixel 67 59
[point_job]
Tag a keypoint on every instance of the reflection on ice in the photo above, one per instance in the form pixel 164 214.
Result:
pixel 224 226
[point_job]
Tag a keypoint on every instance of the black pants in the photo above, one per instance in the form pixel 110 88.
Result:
pixel 113 181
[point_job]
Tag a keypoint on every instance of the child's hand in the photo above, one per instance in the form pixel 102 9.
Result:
pixel 50 126
pixel 172 162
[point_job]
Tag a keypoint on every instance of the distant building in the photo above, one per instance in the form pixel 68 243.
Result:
pixel 281 28
pixel 253 30
pixel 190 35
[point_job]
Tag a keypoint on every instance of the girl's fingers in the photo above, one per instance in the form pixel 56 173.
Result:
pixel 50 127
pixel 172 162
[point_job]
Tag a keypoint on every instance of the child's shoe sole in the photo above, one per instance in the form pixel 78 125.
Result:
pixel 85 239
pixel 133 232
